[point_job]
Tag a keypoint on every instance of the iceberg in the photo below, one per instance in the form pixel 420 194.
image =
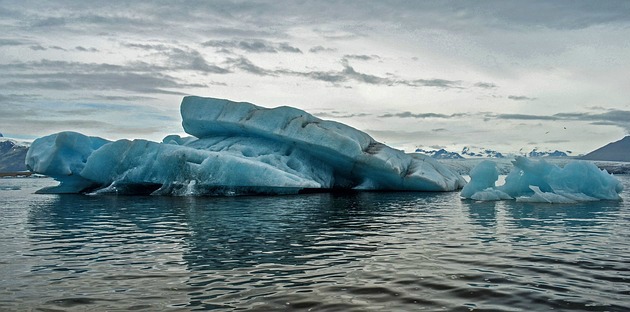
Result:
pixel 542 182
pixel 236 148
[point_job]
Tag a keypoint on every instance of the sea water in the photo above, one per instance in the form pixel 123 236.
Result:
pixel 315 252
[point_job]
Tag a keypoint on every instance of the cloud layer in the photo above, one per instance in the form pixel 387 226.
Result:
pixel 475 69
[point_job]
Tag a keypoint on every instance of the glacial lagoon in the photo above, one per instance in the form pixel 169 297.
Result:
pixel 364 251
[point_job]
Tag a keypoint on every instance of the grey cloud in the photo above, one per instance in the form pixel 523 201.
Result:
pixel 285 47
pixel 525 117
pixel 422 115
pixel 273 18
pixel 557 141
pixel 180 58
pixel 400 136
pixel 192 60
pixel 83 49
pixel 76 19
pixel 317 49
pixel 603 123
pixel 440 83
pixel 253 46
pixel 331 77
pixel 616 115
pixel 37 48
pixel 44 126
pixel 147 46
pixel 245 32
pixel 61 75
pixel 348 73
pixel 485 85
pixel 619 118
pixel 12 42
pixel 123 98
pixel 336 114
pixel 49 22
pixel 246 65
pixel 520 98
pixel 43 117
pixel 17 97
pixel 361 57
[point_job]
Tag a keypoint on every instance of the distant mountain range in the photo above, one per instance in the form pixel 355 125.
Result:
pixel 12 156
pixel 440 154
pixel 615 151
pixel 483 153
pixel 468 152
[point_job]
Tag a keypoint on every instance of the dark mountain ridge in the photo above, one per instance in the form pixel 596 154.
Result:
pixel 12 157
pixel 615 151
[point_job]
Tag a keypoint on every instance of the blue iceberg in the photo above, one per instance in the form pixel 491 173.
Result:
pixel 539 181
pixel 236 148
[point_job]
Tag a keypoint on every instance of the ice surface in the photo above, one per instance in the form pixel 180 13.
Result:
pixel 237 148
pixel 540 181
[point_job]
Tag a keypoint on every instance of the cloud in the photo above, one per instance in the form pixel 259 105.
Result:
pixel 12 42
pixel 347 74
pixel 525 117
pixel 44 117
pixel 10 98
pixel 361 57
pixel 520 98
pixel 83 49
pixel 49 22
pixel 399 137
pixel 318 49
pixel 485 85
pixel 614 117
pixel 285 47
pixel 70 76
pixel 252 46
pixel 123 98
pixel 179 58
pixel 245 31
pixel 337 114
pixel 246 65
pixel 192 60
pixel 422 115
pixel 147 46
pixel 37 47
pixel 439 83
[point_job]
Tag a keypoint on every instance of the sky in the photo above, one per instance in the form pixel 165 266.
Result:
pixel 506 75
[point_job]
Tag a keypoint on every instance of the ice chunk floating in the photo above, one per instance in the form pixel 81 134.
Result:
pixel 540 181
pixel 236 148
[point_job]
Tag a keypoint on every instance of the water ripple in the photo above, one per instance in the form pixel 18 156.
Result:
pixel 317 252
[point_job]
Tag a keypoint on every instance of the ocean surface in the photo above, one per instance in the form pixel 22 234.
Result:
pixel 315 252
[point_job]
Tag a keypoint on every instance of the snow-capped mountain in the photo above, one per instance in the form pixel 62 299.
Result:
pixel 477 152
pixel 440 154
pixel 12 155
pixel 536 153
pixel 481 152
